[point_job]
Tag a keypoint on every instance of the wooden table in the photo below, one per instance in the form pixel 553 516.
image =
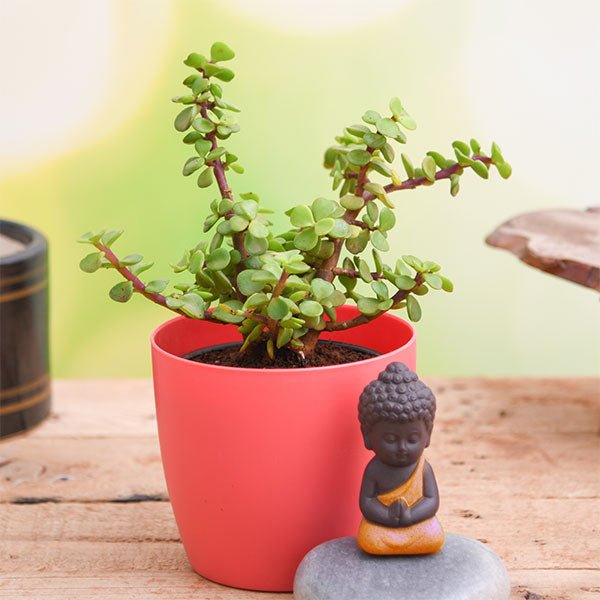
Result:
pixel 85 513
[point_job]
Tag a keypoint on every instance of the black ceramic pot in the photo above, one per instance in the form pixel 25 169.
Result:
pixel 24 363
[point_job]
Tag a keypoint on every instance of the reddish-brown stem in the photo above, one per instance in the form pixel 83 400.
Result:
pixel 362 319
pixel 337 271
pixel 139 286
pixel 414 182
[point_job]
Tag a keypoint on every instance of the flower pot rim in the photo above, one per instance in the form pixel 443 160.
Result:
pixel 271 372
pixel 35 243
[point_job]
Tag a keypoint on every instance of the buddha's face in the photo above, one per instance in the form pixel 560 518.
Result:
pixel 398 444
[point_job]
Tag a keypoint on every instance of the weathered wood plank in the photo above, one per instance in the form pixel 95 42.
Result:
pixel 95 408
pixel 465 462
pixel 562 584
pixel 531 533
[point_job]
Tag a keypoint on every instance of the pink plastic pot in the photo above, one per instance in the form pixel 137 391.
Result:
pixel 263 465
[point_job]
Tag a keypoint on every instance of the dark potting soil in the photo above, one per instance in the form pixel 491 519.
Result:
pixel 326 354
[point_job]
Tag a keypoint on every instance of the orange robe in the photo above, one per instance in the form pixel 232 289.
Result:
pixel 425 537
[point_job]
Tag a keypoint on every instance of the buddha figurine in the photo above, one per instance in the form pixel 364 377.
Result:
pixel 399 495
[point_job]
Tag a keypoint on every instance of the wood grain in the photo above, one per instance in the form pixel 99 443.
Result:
pixel 516 461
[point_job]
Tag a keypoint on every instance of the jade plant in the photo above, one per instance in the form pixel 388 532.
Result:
pixel 281 289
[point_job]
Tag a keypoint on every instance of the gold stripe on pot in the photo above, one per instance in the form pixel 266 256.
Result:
pixel 8 296
pixel 24 404
pixel 23 276
pixel 20 389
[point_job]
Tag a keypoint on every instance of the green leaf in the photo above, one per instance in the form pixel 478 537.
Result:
pixel 122 291
pixel 301 216
pixel 358 158
pixel 414 308
pixel 284 335
pixel 496 153
pixel 278 308
pixel 197 61
pixel 374 140
pixel 321 289
pixel 447 285
pixel 202 146
pixel 209 222
pixel 462 147
pixel 247 209
pixel 410 170
pixel 225 75
pixel 156 286
pixel 358 130
pixel 205 178
pixel 371 117
pixel 340 229
pixel 224 312
pixel 184 119
pixel 220 52
pixel 387 220
pixel 196 262
pixel 434 281
pixel 401 115
pixel 440 161
pixel 387 127
pixel 218 259
pixel 475 146
pixel 192 165
pixel 193 305
pixel 378 240
pixel 380 167
pixel 238 223
pixel 364 271
pixel 375 188
pixel 463 159
pixel 404 282
pixel 214 154
pixel 322 208
pixel 481 169
pixel 388 153
pixel 203 125
pixel 255 246
pixel 306 240
pixel 92 262
pixel 324 226
pixel 131 259
pixel 246 284
pixel 310 308
pixel 378 262
pixel 504 169
pixel 454 184
pixel 413 262
pixel 368 306
pixel 428 166
pixel 358 244
pixel 110 237
pixel 258 229
pixel 351 202
pixel 381 290
pixel 372 211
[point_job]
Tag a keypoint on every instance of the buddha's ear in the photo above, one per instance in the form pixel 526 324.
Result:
pixel 367 441
pixel 428 437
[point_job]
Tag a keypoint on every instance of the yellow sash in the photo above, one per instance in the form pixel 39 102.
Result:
pixel 425 537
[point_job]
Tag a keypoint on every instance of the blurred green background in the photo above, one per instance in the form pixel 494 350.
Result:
pixel 88 143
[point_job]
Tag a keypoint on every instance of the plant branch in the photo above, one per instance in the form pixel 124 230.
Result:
pixel 337 271
pixel 414 182
pixel 399 296
pixel 139 286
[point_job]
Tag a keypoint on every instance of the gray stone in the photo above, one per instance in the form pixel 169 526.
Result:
pixel 463 570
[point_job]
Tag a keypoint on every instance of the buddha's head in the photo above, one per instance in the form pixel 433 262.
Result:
pixel 396 413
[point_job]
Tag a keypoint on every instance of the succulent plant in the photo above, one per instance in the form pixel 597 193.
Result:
pixel 282 289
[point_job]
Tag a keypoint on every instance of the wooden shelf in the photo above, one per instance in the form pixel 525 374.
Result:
pixel 84 510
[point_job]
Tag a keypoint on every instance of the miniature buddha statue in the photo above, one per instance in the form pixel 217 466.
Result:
pixel 399 495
